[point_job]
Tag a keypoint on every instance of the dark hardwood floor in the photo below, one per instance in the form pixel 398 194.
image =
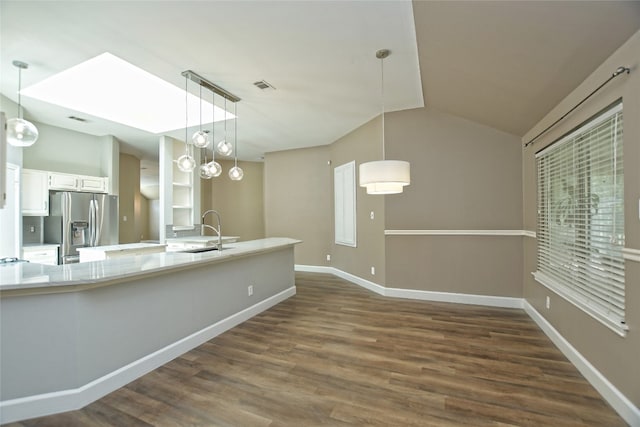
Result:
pixel 339 355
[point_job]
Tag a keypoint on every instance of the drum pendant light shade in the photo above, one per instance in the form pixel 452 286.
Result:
pixel 384 176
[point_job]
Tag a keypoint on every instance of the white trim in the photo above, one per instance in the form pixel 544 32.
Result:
pixel 492 301
pixel 313 268
pixel 68 400
pixel 623 406
pixel 631 254
pixel 459 233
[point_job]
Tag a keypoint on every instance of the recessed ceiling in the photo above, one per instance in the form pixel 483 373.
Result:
pixel 319 55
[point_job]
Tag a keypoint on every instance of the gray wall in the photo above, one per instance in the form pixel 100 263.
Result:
pixel 240 203
pixel 362 145
pixel 63 150
pixel 612 355
pixel 298 199
pixel 464 176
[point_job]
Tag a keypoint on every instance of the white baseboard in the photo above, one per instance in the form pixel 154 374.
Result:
pixel 492 301
pixel 623 406
pixel 69 400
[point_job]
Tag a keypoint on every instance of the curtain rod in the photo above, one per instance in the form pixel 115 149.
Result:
pixel 209 85
pixel 615 74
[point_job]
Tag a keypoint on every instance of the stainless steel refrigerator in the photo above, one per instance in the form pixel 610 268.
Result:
pixel 79 220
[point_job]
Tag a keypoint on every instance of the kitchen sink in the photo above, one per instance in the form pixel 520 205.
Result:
pixel 203 249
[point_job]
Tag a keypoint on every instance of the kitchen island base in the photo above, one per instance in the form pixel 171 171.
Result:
pixel 62 351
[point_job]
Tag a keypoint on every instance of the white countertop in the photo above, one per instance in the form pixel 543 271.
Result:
pixel 122 247
pixel 22 276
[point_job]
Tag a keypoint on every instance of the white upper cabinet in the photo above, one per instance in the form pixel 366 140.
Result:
pixel 69 182
pixel 35 193
pixel 92 184
pixel 62 181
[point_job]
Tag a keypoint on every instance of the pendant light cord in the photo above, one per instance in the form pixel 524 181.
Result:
pixel 235 132
pixel 186 115
pixel 213 127
pixel 382 96
pixel 19 94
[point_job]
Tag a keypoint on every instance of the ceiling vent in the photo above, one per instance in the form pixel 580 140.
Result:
pixel 262 84
pixel 78 119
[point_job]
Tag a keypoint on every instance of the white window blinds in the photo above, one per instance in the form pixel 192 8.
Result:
pixel 580 228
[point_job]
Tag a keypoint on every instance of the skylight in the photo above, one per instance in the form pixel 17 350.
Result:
pixel 113 89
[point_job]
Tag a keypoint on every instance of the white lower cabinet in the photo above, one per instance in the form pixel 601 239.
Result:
pixel 45 254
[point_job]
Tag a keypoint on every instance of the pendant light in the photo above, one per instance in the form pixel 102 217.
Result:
pixel 213 167
pixel 204 170
pixel 20 132
pixel 224 148
pixel 236 173
pixel 200 138
pixel 384 176
pixel 186 162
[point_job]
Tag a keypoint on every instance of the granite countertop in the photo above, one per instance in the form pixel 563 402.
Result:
pixel 30 276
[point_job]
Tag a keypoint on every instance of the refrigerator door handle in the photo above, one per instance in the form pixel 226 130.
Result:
pixel 96 223
pixel 92 223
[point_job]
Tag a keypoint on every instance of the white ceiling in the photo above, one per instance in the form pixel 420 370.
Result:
pixel 319 55
pixel 503 64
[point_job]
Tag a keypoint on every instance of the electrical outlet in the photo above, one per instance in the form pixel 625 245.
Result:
pixel 124 218
pixel 373 271
pixel 32 229
pixel 250 290
pixel 372 215
pixel 548 304
pixel 328 257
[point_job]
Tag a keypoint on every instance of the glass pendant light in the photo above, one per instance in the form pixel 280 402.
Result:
pixel 204 170
pixel 186 162
pixel 384 176
pixel 20 132
pixel 200 138
pixel 213 167
pixel 224 148
pixel 236 173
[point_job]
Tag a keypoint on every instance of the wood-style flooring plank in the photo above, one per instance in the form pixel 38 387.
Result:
pixel 338 355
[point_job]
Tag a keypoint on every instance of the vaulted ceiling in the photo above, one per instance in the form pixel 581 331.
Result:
pixel 503 64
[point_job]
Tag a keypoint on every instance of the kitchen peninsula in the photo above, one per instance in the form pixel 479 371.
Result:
pixel 73 333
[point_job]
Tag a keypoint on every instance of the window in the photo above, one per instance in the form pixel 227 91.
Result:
pixel 580 226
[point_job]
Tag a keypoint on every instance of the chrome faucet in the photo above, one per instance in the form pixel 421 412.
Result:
pixel 217 230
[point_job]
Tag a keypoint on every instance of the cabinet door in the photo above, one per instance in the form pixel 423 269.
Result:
pixel 35 193
pixel 62 181
pixel 40 255
pixel 93 184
